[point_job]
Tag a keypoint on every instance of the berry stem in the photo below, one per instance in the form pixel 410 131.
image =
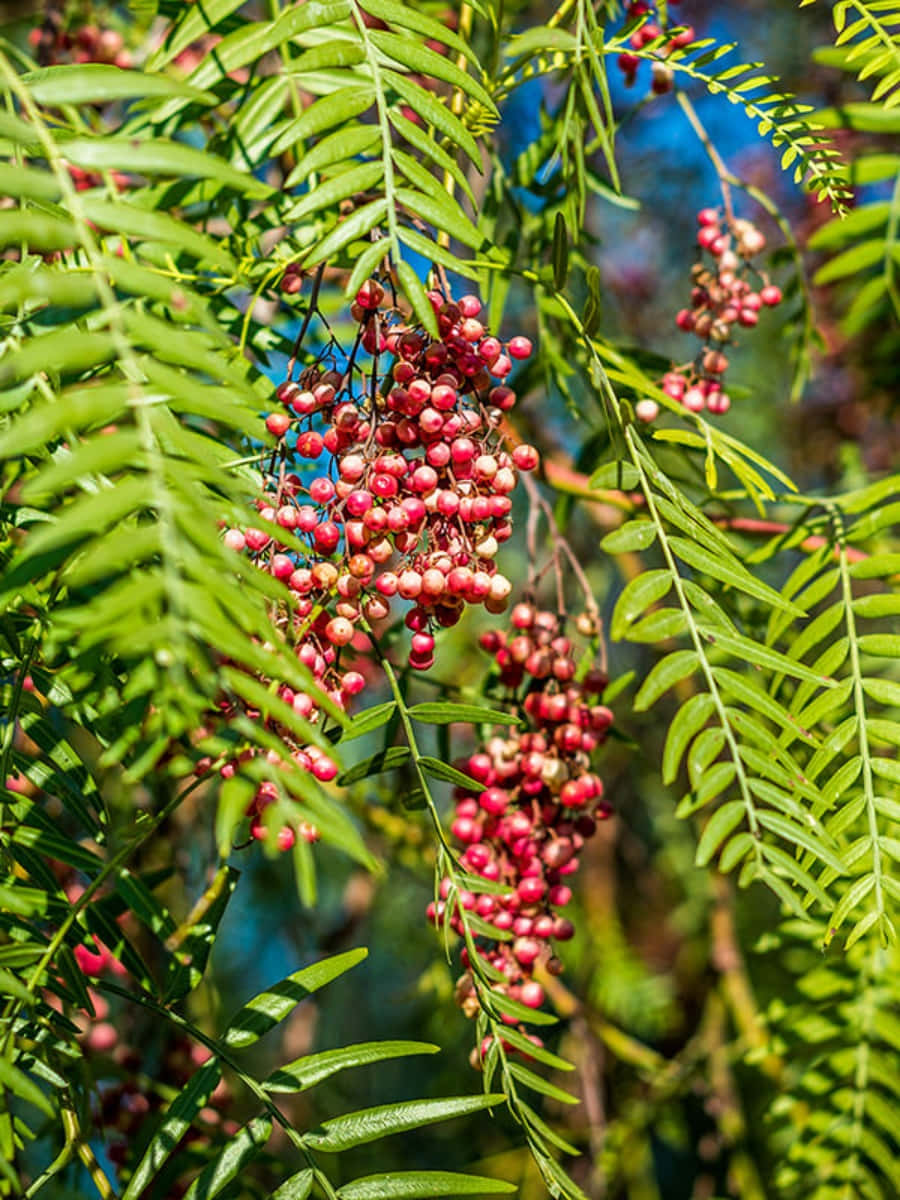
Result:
pixel 724 175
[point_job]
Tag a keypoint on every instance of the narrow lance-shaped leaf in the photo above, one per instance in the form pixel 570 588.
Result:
pixel 370 1124
pixel 172 1127
pixel 266 1010
pixel 305 1072
pixel 240 1150
pixel 422 1185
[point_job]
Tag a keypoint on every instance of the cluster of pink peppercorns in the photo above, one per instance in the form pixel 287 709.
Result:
pixel 649 31
pixel 396 480
pixel 537 802
pixel 722 297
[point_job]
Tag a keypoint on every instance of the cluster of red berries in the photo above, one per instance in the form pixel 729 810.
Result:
pixel 649 31
pixel 397 483
pixel 722 297
pixel 537 802
pixel 54 45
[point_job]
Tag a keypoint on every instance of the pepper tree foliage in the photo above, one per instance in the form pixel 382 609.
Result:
pixel 157 199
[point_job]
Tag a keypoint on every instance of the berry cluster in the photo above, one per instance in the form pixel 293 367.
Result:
pixel 54 45
pixel 537 803
pixel 396 483
pixel 649 31
pixel 722 297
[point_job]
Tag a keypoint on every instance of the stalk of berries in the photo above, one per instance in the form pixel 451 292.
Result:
pixel 539 800
pixel 396 481
pixel 723 296
pixel 649 31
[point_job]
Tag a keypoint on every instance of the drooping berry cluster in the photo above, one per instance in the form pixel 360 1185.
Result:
pixel 395 480
pixel 722 296
pixel 649 31
pixel 538 801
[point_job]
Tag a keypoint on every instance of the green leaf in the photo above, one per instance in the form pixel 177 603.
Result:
pixel 731 573
pixel 267 1009
pixel 789 831
pixel 101 83
pixel 880 604
pixel 851 261
pixel 433 112
pixel 735 850
pixel 762 657
pixel 547 1134
pixel 515 1008
pixel 36 230
pixel 305 1072
pixel 538 1084
pixel 853 896
pixel 443 771
pixel 172 1127
pixel 385 760
pixel 446 713
pixel 877 567
pixel 658 626
pixel 87 516
pixel 157 156
pixel 884 691
pixel 687 722
pixel 17 1082
pixel 420 60
pixel 10 985
pixel 720 825
pixel 422 1185
pixel 297 1187
pixel 124 218
pixel 630 538
pixel 559 255
pixel 664 675
pixel 882 645
pixel 430 148
pixel 241 1149
pixel 415 294
pixel 250 41
pixel 408 17
pixel 360 222
pixel 636 598
pixel 341 146
pixel 441 212
pixel 368 720
pixel 619 476
pixel 99 456
pixel 339 187
pixel 54 845
pixel 370 1124
pixel 337 109
pixel 21 181
pixel 194 22
pixel 753 696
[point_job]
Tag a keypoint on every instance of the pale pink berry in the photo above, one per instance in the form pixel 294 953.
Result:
pixel 646 410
